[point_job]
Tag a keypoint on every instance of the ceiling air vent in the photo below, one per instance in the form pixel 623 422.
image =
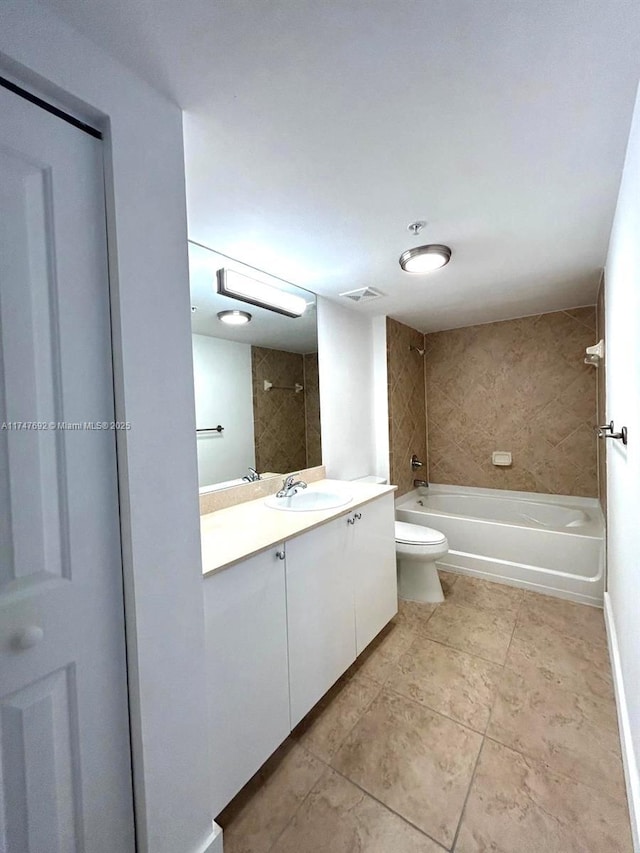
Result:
pixel 363 294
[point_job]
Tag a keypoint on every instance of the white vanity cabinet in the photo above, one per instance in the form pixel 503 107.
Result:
pixel 247 668
pixel 372 559
pixel 341 592
pixel 320 617
pixel 284 625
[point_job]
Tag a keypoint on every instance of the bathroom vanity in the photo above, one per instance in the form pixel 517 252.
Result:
pixel 291 599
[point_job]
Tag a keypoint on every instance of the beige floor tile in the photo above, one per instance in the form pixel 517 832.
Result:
pixel 257 816
pixel 480 632
pixel 517 805
pixel 325 728
pixel 456 684
pixel 576 665
pixel 485 595
pixel 573 620
pixel 412 614
pixel 413 760
pixel 337 817
pixel 575 734
pixel 447 580
pixel 378 659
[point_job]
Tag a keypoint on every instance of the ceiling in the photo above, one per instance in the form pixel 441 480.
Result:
pixel 266 328
pixel 315 132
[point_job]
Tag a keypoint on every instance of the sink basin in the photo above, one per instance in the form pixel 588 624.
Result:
pixel 307 501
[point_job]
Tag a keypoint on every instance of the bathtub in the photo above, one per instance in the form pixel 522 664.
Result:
pixel 547 543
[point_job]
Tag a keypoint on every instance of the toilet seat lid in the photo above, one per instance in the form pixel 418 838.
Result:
pixel 416 534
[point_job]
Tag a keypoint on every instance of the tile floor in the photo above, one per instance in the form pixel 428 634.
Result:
pixel 485 724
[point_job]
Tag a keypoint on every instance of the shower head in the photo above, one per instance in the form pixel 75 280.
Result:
pixel 416 349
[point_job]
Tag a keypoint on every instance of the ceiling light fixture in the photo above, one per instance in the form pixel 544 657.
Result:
pixel 424 259
pixel 239 286
pixel 234 318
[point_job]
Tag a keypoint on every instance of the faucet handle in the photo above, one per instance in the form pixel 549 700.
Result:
pixel 416 463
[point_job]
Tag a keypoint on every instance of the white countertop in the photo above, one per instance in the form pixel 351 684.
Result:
pixel 237 532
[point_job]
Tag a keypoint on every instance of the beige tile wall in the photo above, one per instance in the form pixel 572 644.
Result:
pixel 279 416
pixel 407 413
pixel 519 385
pixel 312 409
pixel 602 414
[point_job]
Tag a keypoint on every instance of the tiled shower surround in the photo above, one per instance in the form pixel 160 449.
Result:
pixel 518 385
pixel 407 420
pixel 286 423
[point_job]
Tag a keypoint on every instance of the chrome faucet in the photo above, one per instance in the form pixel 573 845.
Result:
pixel 416 463
pixel 420 484
pixel 290 487
pixel 252 476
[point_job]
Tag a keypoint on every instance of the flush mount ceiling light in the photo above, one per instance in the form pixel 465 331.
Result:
pixel 234 318
pixel 424 259
pixel 239 286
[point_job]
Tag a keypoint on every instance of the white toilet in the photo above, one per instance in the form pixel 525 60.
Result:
pixel 417 549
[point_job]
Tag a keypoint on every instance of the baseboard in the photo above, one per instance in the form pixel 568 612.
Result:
pixel 213 843
pixel 632 777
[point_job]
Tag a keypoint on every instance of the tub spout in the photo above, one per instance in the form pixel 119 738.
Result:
pixel 420 484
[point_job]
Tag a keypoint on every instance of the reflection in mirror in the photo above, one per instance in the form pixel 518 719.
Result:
pixel 256 384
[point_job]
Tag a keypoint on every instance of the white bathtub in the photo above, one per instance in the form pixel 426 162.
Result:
pixel 547 543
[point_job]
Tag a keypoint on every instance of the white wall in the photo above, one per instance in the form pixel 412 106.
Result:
pixel 622 316
pixel 223 391
pixel 153 367
pixel 380 396
pixel 345 360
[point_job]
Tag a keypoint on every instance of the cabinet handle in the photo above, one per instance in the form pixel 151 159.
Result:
pixel 351 521
pixel 358 515
pixel 280 555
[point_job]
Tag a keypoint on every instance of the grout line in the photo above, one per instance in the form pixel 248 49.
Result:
pixel 461 651
pixel 466 799
pixel 348 734
pixel 327 769
pixel 622 798
pixel 484 734
pixel 561 633
pixel 424 707
pixel 388 808
pixel 504 667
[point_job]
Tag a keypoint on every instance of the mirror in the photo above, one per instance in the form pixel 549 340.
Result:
pixel 256 385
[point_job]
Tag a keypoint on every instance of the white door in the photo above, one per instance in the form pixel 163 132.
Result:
pixel 65 776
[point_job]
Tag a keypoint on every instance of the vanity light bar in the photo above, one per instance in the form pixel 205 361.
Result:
pixel 239 286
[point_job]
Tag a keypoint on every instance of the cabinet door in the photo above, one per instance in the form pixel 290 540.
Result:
pixel 320 613
pixel 247 669
pixel 374 569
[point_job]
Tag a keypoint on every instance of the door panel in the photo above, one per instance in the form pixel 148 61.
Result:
pixel 320 615
pixel 29 459
pixel 374 567
pixel 247 669
pixel 32 722
pixel 64 743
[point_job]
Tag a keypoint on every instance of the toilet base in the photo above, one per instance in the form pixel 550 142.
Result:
pixel 418 581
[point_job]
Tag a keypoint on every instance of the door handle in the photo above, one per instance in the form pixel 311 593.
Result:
pixel 27 638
